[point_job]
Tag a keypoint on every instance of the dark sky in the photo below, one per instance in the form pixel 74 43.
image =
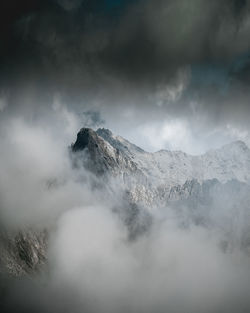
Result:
pixel 138 63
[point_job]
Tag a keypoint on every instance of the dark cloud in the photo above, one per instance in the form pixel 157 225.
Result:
pixel 92 119
pixel 148 40
pixel 116 58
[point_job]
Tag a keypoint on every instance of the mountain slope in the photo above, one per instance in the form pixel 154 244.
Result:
pixel 151 176
pixel 196 187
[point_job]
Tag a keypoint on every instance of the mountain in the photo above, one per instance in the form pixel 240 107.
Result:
pixel 152 177
pixel 209 190
pixel 232 161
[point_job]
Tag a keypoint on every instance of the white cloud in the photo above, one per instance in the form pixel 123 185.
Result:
pixel 173 91
pixel 174 134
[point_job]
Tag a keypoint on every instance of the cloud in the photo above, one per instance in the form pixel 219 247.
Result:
pixel 37 181
pixel 125 61
pixel 93 265
pixel 146 43
pixel 173 91
pixel 70 4
pixel 3 103
pixel 163 74
pixel 92 119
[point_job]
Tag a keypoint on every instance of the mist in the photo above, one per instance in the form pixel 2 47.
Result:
pixel 171 77
pixel 93 264
pixel 139 64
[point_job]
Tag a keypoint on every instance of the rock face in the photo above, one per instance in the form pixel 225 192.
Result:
pixel 151 178
pixel 221 207
pixel 23 252
pixel 211 190
pixel 100 154
pixel 197 187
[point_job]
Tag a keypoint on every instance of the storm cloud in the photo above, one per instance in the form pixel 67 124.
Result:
pixel 164 74
pixel 139 64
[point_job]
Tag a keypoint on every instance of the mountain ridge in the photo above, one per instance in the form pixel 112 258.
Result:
pixel 195 185
pixel 162 170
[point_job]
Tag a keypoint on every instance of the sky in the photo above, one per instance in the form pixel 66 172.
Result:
pixel 164 74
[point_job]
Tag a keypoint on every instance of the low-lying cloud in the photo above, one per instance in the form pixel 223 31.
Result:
pixel 93 263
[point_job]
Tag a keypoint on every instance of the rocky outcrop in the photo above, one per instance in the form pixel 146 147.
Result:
pixel 99 155
pixel 23 252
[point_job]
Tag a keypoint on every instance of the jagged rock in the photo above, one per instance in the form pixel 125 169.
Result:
pixel 195 185
pixel 101 156
pixel 23 251
pixel 155 177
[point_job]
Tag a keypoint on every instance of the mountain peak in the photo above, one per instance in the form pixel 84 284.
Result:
pixel 84 136
pixel 104 132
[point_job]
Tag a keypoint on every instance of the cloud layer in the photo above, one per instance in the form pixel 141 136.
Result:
pixel 136 63
pixel 93 265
